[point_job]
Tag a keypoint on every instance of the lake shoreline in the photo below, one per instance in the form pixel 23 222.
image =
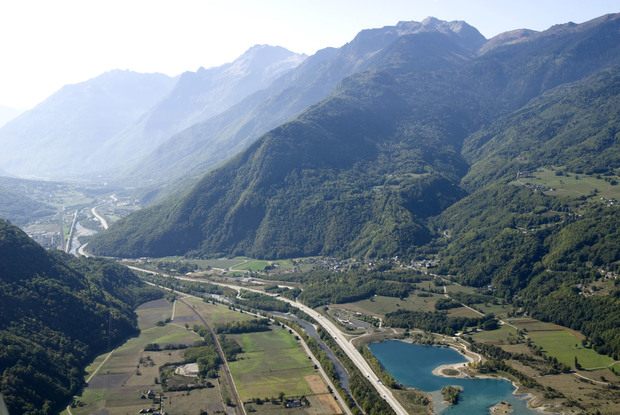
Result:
pixel 472 357
pixel 476 357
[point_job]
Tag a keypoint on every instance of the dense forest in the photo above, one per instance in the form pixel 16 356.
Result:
pixel 57 313
pixel 19 208
pixel 361 173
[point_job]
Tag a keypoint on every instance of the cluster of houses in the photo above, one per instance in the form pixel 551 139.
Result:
pixel 329 263
pixel 539 188
pixel 150 395
pixel 608 275
pixel 426 263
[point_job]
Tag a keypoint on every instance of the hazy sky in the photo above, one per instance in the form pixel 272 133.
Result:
pixel 45 44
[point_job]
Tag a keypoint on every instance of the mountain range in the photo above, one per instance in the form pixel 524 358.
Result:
pixel 445 147
pixel 55 138
pixel 204 145
pixel 100 125
pixel 361 172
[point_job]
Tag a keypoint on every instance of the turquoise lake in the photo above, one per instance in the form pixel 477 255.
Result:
pixel 413 364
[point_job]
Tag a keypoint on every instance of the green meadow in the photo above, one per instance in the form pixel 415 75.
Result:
pixel 271 362
pixel 563 344
pixel 575 185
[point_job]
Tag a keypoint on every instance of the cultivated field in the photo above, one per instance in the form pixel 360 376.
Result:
pixel 379 306
pixel 271 362
pixel 121 377
pixel 562 343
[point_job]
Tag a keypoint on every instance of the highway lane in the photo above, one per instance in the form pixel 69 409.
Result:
pixel 331 328
pixel 101 219
pixel 353 354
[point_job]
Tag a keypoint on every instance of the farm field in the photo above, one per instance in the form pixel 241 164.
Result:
pixel 152 312
pixel 216 314
pixel 562 343
pixel 463 312
pixel 500 310
pixel 379 306
pixel 589 387
pixel 251 265
pixel 498 336
pixel 129 371
pixel 453 288
pixel 271 362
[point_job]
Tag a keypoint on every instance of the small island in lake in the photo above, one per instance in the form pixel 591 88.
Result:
pixel 451 394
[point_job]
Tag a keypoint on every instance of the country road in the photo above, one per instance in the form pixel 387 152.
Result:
pixel 229 380
pixel 331 328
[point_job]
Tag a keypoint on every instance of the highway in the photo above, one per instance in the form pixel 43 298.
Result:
pixel 101 219
pixel 331 328
pixel 353 354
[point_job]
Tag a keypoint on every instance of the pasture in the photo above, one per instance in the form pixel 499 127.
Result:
pixel 562 343
pixel 574 185
pixel 379 305
pixel 271 362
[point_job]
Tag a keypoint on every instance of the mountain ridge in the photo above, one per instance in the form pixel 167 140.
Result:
pixel 204 145
pixel 201 95
pixel 415 119
pixel 72 122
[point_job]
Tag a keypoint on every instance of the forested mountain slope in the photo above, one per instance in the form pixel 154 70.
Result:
pixel 575 125
pixel 208 143
pixel 56 313
pixel 533 240
pixel 19 208
pixel 360 173
pixel 363 138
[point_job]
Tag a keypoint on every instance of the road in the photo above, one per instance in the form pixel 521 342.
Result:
pixel 331 328
pixel 101 219
pixel 353 354
pixel 231 384
pixel 70 238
